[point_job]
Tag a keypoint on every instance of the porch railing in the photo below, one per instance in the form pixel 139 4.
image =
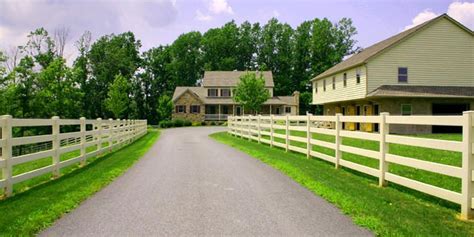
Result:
pixel 216 117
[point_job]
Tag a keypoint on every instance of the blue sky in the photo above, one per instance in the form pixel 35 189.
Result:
pixel 160 21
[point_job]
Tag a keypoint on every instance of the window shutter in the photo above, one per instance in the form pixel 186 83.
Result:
pixel 176 109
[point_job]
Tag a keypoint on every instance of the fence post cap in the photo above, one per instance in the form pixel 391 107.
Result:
pixel 338 114
pixel 82 118
pixel 110 119
pixel 99 119
pixel 468 112
pixel 385 113
pixel 6 116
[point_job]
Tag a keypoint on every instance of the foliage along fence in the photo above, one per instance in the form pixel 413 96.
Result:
pixel 102 135
pixel 261 127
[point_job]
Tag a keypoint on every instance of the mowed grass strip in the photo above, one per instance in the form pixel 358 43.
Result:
pixel 30 211
pixel 388 211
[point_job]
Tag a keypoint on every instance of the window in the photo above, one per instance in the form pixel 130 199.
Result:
pixel 195 109
pixel 358 71
pixel 180 109
pixel 403 74
pixel 277 111
pixel 406 109
pixel 315 87
pixel 212 92
pixel 288 110
pixel 333 83
pixel 225 92
pixel 344 79
pixel 324 85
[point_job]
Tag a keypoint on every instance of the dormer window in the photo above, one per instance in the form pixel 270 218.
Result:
pixel 225 92
pixel 212 92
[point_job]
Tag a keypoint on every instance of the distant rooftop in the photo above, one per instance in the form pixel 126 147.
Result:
pixel 231 78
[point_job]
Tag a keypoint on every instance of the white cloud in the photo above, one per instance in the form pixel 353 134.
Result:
pixel 202 17
pixel 460 11
pixel 220 6
pixel 423 16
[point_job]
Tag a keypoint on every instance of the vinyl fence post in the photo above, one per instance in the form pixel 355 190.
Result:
pixel 287 128
pixel 56 145
pixel 249 123
pixel 258 127
pixel 83 140
pixel 383 148
pixel 309 147
pixel 271 129
pixel 7 154
pixel 467 189
pixel 99 135
pixel 111 133
pixel 338 152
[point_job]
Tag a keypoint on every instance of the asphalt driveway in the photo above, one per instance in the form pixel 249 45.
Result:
pixel 190 185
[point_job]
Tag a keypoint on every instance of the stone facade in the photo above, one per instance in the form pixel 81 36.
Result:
pixel 188 99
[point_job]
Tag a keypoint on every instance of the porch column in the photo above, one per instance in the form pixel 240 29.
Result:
pixel 219 112
pixel 270 109
pixel 243 110
pixel 233 110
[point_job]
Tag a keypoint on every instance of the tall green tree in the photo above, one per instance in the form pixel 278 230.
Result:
pixel 276 54
pixel 165 108
pixel 186 60
pixel 118 100
pixel 251 92
pixel 219 48
pixel 109 56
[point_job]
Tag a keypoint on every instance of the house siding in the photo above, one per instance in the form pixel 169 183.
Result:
pixel 352 91
pixel 441 54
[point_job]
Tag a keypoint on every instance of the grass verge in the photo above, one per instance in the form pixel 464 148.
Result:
pixel 28 212
pixel 389 211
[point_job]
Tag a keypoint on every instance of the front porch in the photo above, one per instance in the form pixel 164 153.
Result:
pixel 221 112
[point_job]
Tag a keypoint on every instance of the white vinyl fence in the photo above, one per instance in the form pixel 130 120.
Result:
pixel 101 135
pixel 260 128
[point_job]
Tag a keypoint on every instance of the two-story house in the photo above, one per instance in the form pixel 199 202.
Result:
pixel 425 70
pixel 213 100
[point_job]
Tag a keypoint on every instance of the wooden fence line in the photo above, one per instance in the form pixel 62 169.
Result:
pixel 254 127
pixel 113 132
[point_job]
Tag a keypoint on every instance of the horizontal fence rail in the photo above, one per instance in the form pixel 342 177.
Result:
pixel 269 129
pixel 88 138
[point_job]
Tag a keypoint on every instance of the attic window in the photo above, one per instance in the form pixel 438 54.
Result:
pixel 180 109
pixel 212 92
pixel 403 74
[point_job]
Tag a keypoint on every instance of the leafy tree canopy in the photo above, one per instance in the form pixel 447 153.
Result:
pixel 251 92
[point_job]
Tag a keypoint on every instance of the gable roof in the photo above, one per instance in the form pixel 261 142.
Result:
pixel 366 54
pixel 231 78
pixel 423 91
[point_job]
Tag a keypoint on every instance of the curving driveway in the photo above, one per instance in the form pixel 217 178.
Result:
pixel 188 184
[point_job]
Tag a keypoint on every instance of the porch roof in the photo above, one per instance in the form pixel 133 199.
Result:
pixel 202 94
pixel 423 91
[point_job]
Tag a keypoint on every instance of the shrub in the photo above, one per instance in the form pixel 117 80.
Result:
pixel 195 124
pixel 178 123
pixel 187 123
pixel 165 124
pixel 224 124
pixel 212 123
pixel 203 123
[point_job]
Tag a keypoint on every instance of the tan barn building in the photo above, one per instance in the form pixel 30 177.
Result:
pixel 425 70
pixel 213 100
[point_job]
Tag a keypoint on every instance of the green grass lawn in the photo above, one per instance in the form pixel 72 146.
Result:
pixel 38 207
pixel 389 211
